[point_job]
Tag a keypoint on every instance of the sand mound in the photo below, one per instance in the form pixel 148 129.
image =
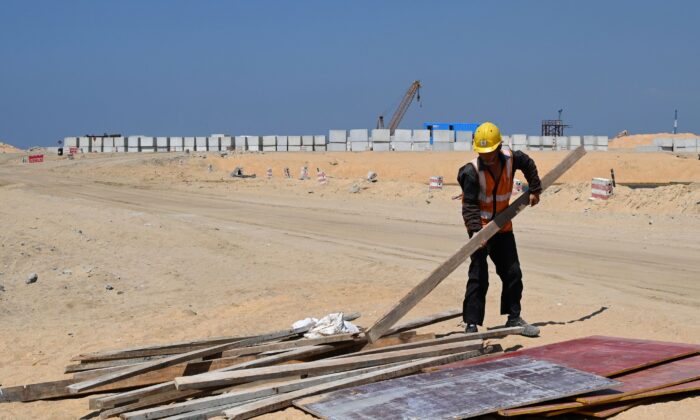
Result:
pixel 8 148
pixel 632 141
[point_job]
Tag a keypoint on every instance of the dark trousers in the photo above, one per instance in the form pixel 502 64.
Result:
pixel 501 248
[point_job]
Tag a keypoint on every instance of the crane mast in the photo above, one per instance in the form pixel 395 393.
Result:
pixel 412 92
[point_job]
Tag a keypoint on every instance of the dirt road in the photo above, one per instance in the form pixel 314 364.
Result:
pixel 200 258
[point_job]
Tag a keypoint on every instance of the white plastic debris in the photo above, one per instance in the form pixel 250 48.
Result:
pixel 330 324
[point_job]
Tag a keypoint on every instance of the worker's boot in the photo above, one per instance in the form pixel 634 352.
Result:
pixel 529 329
pixel 471 328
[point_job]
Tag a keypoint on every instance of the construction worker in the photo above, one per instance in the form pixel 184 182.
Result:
pixel 487 183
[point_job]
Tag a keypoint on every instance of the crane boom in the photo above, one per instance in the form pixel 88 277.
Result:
pixel 411 93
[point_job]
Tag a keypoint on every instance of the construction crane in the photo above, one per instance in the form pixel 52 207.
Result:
pixel 412 92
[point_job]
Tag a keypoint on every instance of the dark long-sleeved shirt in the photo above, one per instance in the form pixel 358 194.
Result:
pixel 469 181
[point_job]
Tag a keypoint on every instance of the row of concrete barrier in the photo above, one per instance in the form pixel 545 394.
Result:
pixel 336 141
pixel 690 145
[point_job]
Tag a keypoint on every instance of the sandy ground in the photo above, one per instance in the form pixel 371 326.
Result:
pixel 192 253
pixel 634 140
pixel 8 148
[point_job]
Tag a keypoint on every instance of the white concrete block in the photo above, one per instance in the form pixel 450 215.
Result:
pixel 253 143
pixel 421 146
pixel 133 142
pixel 281 147
pixel 547 141
pixel 534 142
pixel 282 141
pixel 443 147
pixel 189 143
pixel 148 149
pixel 359 146
pixel 337 147
pixel 381 135
pixel 574 141
pixel 443 136
pixel 161 142
pixel 320 140
pixel 200 144
pixel 70 142
pixel 381 146
pixel 561 143
pixel 421 136
pixel 269 141
pixel 337 136
pixel 402 146
pixel 307 140
pixel 320 147
pixel 646 149
pixel 226 142
pixel 269 148
pixel 687 143
pixel 129 150
pixel 589 140
pixel 358 135
pixel 291 148
pixel 464 136
pixel 520 139
pixel 307 148
pixel 462 146
pixel 402 136
pixel 601 141
pixel 294 140
pixel 147 141
pixel 663 142
pixel 239 142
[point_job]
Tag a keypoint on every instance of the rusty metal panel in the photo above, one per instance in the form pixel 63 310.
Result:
pixel 605 356
pixel 457 393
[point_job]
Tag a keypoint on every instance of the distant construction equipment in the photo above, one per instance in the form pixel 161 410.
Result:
pixel 412 92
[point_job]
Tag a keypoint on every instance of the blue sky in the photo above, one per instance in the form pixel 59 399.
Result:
pixel 303 67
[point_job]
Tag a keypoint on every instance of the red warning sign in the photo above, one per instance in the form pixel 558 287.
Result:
pixel 36 158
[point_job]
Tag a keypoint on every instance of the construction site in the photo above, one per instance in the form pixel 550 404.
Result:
pixel 347 273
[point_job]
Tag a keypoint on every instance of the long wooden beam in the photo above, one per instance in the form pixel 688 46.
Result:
pixel 427 285
pixel 233 397
pixel 178 358
pixel 221 379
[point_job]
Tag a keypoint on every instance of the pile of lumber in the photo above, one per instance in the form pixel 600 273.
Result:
pixel 254 374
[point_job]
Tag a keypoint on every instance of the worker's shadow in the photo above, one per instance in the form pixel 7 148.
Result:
pixel 583 318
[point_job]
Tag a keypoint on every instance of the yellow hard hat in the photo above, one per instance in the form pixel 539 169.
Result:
pixel 487 138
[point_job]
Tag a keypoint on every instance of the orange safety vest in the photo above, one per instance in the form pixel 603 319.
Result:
pixel 493 198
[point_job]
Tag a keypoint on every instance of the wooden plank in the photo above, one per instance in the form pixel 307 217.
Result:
pixel 421 290
pixel 172 348
pixel 636 399
pixel 178 358
pixel 131 396
pixel 285 345
pixel 424 321
pixel 109 401
pixel 458 393
pixel 279 402
pixel 57 389
pixel 213 379
pixel 455 338
pixel 217 401
pixel 156 350
pixel 84 366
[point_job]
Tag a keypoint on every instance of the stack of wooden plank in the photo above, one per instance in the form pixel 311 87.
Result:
pixel 549 380
pixel 254 374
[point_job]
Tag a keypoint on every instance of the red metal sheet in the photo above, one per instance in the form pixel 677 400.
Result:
pixel 600 355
